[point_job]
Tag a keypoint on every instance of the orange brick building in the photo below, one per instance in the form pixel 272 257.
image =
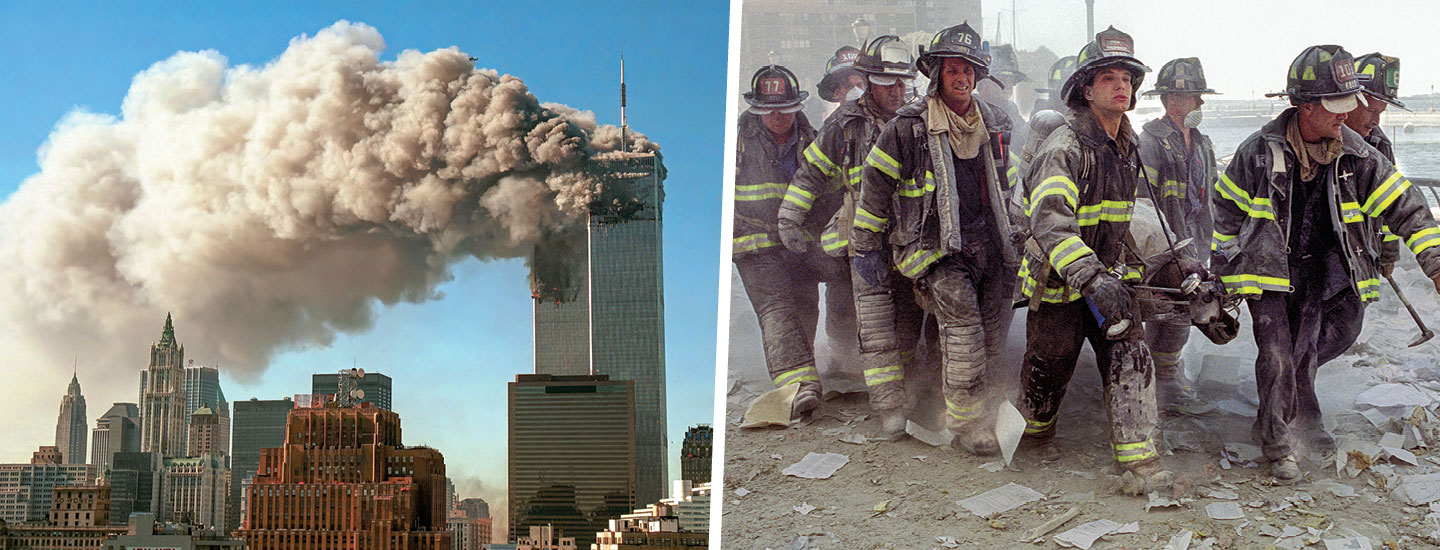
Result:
pixel 344 481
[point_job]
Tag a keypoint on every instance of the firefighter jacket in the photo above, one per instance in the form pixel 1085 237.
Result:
pixel 1167 170
pixel 899 190
pixel 1390 244
pixel 1081 188
pixel 760 183
pixel 827 184
pixel 1252 212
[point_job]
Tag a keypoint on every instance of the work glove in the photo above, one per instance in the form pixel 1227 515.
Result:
pixel 871 266
pixel 792 235
pixel 1112 298
pixel 1387 269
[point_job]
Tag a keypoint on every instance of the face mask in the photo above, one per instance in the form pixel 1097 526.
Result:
pixel 854 93
pixel 1192 119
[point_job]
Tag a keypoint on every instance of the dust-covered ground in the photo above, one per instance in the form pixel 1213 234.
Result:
pixel 904 494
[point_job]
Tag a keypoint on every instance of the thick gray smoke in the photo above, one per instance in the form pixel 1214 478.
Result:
pixel 272 206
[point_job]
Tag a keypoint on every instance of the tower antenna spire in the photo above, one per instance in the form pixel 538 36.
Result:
pixel 624 125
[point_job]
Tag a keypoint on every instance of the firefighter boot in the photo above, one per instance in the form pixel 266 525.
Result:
pixel 977 438
pixel 807 399
pixel 892 423
pixel 1146 477
pixel 1286 471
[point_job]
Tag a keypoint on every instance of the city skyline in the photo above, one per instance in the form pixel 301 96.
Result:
pixel 429 346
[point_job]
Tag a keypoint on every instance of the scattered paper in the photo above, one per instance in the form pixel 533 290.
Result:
pixel 1291 531
pixel 921 458
pixel 1157 501
pixel 881 508
pixel 804 509
pixel 1224 463
pixel 1180 541
pixel 1401 455
pixel 1087 496
pixel 948 542
pixel 928 436
pixel 817 465
pixel 1222 495
pixel 1418 490
pixel 772 408
pixel 1242 453
pixel 1395 395
pixel 1352 543
pixel 1392 440
pixel 1129 528
pixel 1378 419
pixel 855 439
pixel 1085 535
pixel 1336 488
pixel 993 467
pixel 1224 510
pixel 1009 426
pixel 1237 408
pixel 1413 438
pixel 742 492
pixel 777 456
pixel 1001 499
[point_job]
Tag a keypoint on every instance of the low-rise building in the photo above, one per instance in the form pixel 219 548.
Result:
pixel 144 532
pixel 681 522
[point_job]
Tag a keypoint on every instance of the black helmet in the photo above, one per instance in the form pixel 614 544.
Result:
pixel 774 88
pixel 1005 66
pixel 1110 48
pixel 1379 76
pixel 1325 74
pixel 1181 76
pixel 840 66
pixel 1060 71
pixel 885 59
pixel 958 41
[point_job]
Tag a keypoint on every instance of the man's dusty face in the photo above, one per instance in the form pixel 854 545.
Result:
pixel 889 98
pixel 1179 105
pixel 778 123
pixel 851 82
pixel 1316 121
pixel 1366 117
pixel 1109 91
pixel 957 80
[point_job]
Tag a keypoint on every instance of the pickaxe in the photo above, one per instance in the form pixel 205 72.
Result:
pixel 1425 333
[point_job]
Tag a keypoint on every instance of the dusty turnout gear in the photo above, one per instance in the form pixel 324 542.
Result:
pixel 774 88
pixel 837 71
pixel 942 216
pixel 1379 77
pixel 1111 48
pixel 825 188
pixel 1081 188
pixel 1302 249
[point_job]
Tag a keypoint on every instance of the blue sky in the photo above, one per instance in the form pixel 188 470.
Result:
pixel 450 358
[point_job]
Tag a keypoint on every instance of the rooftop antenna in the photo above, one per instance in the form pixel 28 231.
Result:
pixel 624 125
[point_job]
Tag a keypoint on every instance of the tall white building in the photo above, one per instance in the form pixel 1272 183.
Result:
pixel 72 429
pixel 163 413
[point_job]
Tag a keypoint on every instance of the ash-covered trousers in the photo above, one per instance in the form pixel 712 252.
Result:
pixel 1296 334
pixel 969 296
pixel 783 287
pixel 1054 336
pixel 1166 339
pixel 889 326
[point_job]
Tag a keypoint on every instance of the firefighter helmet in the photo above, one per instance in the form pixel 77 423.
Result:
pixel 958 41
pixel 774 88
pixel 885 60
pixel 1060 71
pixel 1110 48
pixel 837 71
pixel 1325 74
pixel 1379 76
pixel 1005 66
pixel 1181 76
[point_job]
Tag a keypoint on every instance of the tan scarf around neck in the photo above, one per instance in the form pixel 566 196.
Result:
pixel 967 133
pixel 1311 156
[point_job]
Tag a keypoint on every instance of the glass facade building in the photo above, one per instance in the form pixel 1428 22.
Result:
pixel 259 424
pixel 375 385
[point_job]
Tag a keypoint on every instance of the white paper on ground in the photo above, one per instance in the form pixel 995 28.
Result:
pixel 993 467
pixel 742 492
pixel 1336 488
pixel 1224 510
pixel 855 439
pixel 817 465
pixel 1009 426
pixel 1157 501
pixel 1180 541
pixel 1419 490
pixel 1401 455
pixel 1392 440
pixel 1378 419
pixel 928 436
pixel 804 509
pixel 1222 495
pixel 1395 395
pixel 1352 543
pixel 1001 499
pixel 1084 536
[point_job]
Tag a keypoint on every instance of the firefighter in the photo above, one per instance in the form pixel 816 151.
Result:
pixel 1060 71
pixel 1379 77
pixel 889 319
pixel 1180 169
pixel 1294 215
pixel 932 194
pixel 842 83
pixel 1081 190
pixel 999 91
pixel 781 285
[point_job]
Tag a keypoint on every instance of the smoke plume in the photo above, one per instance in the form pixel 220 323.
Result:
pixel 272 206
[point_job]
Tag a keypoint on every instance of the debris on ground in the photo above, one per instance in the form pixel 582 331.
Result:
pixel 1084 536
pixel 1002 499
pixel 817 465
pixel 772 408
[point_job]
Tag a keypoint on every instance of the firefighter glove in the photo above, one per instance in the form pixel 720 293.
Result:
pixel 871 266
pixel 792 235
pixel 1111 297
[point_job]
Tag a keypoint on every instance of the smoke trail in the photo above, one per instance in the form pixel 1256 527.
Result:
pixel 271 206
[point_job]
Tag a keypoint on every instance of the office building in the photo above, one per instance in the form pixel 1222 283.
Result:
pixel 546 537
pixel 134 480
pixel 695 453
pixel 144 533
pixel 599 299
pixel 681 522
pixel 163 412
pixel 375 385
pixel 207 434
pixel 27 490
pixel 343 480
pixel 77 520
pixel 258 424
pixel 470 527
pixel 572 456
pixel 118 431
pixel 202 389
pixel 194 491
pixel 71 430
pixel 80 506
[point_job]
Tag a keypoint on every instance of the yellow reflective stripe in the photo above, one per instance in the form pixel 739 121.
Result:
pixel 1130 274
pixel 878 376
pixel 1069 250
pixel 855 176
pixel 1172 188
pixel 748 243
pixel 883 162
pixel 1131 452
pixel 1050 295
pixel 1423 239
pixel 1011 176
pixel 800 197
pixel 1168 357
pixel 1056 185
pixel 1247 283
pixel 911 188
pixel 1385 194
pixel 1222 237
pixel 1390 236
pixel 1036 426
pixel 1152 173
pixel 963 413
pixel 831 241
pixel 818 158
pixel 1255 208
pixel 1350 212
pixel 795 376
pixel 915 264
pixel 1369 289
pixel 867 221
pixel 1108 211
pixel 760 191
